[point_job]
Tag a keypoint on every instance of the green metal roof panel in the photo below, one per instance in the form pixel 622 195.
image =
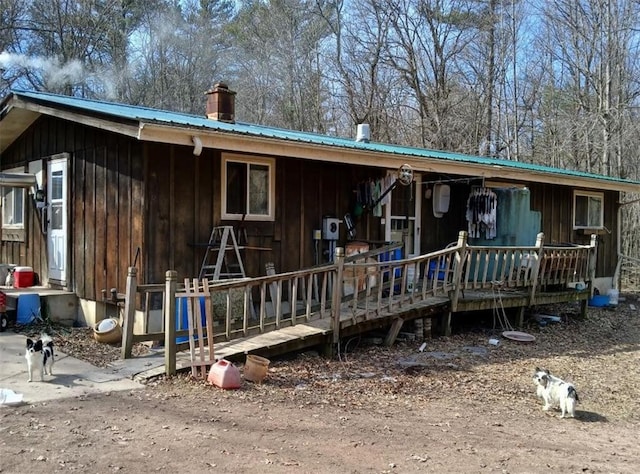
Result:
pixel 150 115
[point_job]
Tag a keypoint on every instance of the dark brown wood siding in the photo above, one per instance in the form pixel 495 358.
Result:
pixel 105 199
pixel 184 195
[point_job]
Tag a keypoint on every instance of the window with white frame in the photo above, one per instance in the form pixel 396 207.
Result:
pixel 248 188
pixel 12 207
pixel 588 210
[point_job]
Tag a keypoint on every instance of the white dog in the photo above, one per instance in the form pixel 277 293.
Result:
pixel 39 355
pixel 556 392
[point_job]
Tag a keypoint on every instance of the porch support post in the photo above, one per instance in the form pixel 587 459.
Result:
pixel 593 260
pixel 129 312
pixel 535 271
pixel 337 293
pixel 393 331
pixel 171 278
pixel 584 304
pixel 445 326
pixel 520 317
pixel 457 269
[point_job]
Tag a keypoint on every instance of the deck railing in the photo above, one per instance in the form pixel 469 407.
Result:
pixel 356 288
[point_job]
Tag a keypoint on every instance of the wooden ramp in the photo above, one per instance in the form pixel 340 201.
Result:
pixel 305 335
pixel 302 335
pixel 361 294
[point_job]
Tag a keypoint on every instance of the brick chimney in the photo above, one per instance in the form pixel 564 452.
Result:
pixel 221 103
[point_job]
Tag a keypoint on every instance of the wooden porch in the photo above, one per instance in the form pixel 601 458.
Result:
pixel 322 305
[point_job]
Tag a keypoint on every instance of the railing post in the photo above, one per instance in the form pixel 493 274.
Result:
pixel 337 293
pixel 461 255
pixel 129 312
pixel 535 271
pixel 171 278
pixel 593 260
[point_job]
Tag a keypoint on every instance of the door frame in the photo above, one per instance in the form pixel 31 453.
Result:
pixel 417 218
pixel 59 162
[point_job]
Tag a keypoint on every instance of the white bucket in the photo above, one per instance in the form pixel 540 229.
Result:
pixel 613 294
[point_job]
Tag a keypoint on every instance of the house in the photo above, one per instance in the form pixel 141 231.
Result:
pixel 119 185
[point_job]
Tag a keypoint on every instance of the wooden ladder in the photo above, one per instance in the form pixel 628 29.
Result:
pixel 217 264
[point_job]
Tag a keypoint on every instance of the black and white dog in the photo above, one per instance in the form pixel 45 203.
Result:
pixel 39 356
pixel 556 392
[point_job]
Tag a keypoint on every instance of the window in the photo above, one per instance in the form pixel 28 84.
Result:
pixel 248 188
pixel 587 210
pixel 12 208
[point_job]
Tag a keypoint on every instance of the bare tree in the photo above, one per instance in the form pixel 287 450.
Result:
pixel 424 47
pixel 180 52
pixel 13 28
pixel 279 76
pixel 591 43
pixel 64 45
pixel 367 89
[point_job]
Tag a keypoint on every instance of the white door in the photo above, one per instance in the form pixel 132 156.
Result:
pixel 57 220
pixel 402 216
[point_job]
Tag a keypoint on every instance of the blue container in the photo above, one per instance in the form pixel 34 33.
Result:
pixel 182 317
pixel 390 256
pixel 28 309
pixel 599 301
pixel 442 274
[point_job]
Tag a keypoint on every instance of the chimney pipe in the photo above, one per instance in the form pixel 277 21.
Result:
pixel 363 133
pixel 221 103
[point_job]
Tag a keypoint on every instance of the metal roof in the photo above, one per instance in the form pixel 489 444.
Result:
pixel 148 115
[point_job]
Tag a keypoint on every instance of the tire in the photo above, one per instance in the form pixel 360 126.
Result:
pixel 3 322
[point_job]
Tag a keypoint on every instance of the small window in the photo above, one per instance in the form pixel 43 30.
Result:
pixel 248 188
pixel 588 210
pixel 13 208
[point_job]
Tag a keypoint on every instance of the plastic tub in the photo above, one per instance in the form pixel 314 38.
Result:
pixel 613 295
pixel 599 301
pixel 108 331
pixel 256 368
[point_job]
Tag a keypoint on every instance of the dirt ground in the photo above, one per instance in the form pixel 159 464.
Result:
pixel 461 405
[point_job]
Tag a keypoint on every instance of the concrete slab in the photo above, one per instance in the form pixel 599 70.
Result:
pixel 71 377
pixel 132 368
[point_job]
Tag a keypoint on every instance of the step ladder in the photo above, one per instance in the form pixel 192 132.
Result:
pixel 222 259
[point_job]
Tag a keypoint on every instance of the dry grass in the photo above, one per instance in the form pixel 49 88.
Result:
pixel 599 354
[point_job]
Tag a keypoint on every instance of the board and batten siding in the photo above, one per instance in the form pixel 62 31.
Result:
pixel 105 197
pixel 184 204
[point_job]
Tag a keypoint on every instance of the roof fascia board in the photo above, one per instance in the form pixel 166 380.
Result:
pixel 18 180
pixel 274 147
pixel 110 125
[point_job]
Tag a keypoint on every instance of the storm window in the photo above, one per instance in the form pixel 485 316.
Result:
pixel 12 207
pixel 588 210
pixel 248 188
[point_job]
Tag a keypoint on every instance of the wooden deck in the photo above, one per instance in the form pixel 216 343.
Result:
pixel 358 294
